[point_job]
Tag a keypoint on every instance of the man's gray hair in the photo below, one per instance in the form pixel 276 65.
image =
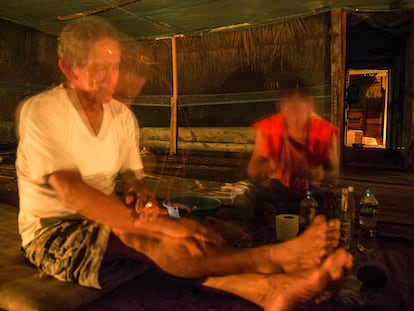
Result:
pixel 76 38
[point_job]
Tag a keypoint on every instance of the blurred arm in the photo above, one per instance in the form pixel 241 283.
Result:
pixel 331 166
pixel 258 166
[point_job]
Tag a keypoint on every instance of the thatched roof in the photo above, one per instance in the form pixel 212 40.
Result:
pixel 212 63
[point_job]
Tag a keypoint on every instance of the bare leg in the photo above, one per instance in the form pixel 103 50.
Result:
pixel 286 291
pixel 172 255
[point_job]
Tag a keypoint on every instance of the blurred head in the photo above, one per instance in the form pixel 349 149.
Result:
pixel 76 38
pixel 133 73
pixel 296 105
pixel 89 57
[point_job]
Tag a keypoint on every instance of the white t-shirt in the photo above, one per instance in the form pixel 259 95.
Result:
pixel 53 136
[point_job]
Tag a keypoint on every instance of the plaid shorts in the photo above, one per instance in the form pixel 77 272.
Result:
pixel 73 251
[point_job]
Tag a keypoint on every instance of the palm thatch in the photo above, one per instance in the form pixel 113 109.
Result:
pixel 207 63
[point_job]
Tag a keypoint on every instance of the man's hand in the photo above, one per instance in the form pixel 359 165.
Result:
pixel 144 205
pixel 191 231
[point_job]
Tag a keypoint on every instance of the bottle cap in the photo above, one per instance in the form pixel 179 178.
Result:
pixel 309 193
pixel 369 191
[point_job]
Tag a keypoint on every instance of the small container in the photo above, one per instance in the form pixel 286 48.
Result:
pixel 199 206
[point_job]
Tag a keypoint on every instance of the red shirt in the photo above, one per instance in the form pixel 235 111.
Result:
pixel 290 171
pixel 320 135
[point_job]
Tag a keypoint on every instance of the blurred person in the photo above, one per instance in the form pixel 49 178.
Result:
pixel 134 72
pixel 75 140
pixel 295 150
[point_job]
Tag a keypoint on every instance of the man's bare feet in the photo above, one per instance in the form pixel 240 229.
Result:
pixel 310 248
pixel 296 290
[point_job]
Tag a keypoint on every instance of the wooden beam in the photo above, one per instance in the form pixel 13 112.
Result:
pixel 174 98
pixel 338 68
pixel 101 9
pixel 321 93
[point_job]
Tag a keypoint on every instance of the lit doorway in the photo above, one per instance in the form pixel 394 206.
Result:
pixel 366 108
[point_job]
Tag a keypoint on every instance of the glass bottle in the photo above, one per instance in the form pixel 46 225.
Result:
pixel 354 212
pixel 329 206
pixel 345 215
pixel 367 222
pixel 307 210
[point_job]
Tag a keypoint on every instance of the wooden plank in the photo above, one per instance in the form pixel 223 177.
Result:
pixel 338 62
pixel 239 135
pixel 200 146
pixel 223 139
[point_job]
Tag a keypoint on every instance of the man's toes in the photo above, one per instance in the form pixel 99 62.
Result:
pixel 319 219
pixel 334 224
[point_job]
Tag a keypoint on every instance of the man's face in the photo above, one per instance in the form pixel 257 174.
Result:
pixel 97 79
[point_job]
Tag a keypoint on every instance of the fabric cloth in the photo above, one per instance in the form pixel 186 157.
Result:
pixel 72 251
pixel 54 135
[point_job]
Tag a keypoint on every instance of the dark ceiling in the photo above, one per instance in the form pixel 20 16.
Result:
pixel 144 19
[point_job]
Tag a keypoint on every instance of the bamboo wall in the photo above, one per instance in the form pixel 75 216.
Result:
pixel 28 64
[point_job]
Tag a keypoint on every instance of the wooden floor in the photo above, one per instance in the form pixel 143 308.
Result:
pixel 173 177
pixel 159 292
pixel 393 188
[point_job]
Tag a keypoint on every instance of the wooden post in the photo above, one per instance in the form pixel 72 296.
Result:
pixel 174 99
pixel 338 67
pixel 409 104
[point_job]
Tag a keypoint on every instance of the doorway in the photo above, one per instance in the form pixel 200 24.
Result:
pixel 366 108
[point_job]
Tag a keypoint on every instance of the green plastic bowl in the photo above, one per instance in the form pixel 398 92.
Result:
pixel 200 206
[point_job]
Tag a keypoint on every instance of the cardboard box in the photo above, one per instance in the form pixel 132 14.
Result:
pixel 354 137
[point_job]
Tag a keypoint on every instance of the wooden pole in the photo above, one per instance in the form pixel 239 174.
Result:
pixel 409 102
pixel 338 72
pixel 174 99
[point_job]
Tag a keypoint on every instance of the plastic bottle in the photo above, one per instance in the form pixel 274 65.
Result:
pixel 345 215
pixel 307 210
pixel 367 222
